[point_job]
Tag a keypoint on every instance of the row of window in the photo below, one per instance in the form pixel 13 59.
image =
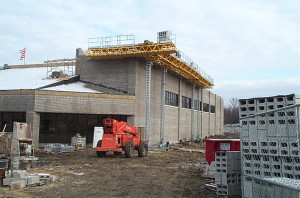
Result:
pixel 186 102
pixel 58 127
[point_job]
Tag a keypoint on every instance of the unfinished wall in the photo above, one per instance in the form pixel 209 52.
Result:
pixel 116 73
pixel 171 124
pixel 66 102
pixel 20 100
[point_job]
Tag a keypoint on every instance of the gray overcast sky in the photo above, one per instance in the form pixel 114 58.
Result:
pixel 250 48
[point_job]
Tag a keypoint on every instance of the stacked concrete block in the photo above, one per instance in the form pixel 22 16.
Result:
pixel 32 179
pixel 21 178
pixel 269 138
pixel 228 173
pixel 247 187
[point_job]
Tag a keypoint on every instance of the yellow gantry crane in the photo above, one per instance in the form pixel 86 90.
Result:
pixel 164 54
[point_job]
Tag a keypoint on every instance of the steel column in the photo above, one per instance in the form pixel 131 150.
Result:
pixel 198 111
pixel 148 95
pixel 162 105
pixel 201 109
pixel 192 113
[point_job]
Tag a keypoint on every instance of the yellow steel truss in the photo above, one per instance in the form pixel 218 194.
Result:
pixel 160 53
pixel 143 50
pixel 180 67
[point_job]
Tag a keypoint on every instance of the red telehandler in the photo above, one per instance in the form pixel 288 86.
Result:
pixel 119 137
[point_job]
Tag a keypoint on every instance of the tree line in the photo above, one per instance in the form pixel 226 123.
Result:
pixel 231 112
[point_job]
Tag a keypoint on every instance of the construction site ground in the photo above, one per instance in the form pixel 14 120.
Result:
pixel 173 173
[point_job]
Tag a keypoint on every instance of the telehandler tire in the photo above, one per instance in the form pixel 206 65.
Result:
pixel 143 149
pixel 128 149
pixel 100 153
pixel 117 153
pixel 99 143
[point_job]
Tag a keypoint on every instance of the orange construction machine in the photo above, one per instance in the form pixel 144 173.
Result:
pixel 119 137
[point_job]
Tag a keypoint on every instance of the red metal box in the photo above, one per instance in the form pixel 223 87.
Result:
pixel 214 145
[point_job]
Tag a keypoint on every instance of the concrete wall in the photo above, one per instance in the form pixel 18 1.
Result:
pixel 64 102
pixel 18 101
pixel 199 123
pixel 116 73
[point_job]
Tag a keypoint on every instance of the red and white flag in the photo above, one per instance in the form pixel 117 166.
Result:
pixel 22 52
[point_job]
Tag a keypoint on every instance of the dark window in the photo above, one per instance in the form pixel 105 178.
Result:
pixel 171 99
pixel 197 105
pixel 186 102
pixel 19 117
pixel 8 118
pixel 212 109
pixel 8 121
pixel 72 123
pixel 205 107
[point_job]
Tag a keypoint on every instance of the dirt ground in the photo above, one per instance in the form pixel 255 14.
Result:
pixel 172 173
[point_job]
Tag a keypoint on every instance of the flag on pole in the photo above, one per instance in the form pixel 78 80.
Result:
pixel 23 52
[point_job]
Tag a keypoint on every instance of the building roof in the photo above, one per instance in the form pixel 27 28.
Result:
pixel 38 78
pixel 72 87
pixel 27 78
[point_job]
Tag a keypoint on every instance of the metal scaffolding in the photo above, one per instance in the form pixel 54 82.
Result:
pixel 199 108
pixel 162 105
pixel 148 97
pixel 192 113
pixel 65 66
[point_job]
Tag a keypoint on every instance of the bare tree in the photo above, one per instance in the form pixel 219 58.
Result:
pixel 234 103
pixel 231 112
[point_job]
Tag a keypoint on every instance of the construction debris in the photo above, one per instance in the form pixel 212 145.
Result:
pixel 78 142
pixel 232 128
pixel 16 153
pixel 209 171
pixel 79 174
pixel 18 179
pixel 211 186
pixel 58 148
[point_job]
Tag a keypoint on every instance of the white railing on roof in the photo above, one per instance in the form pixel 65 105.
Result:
pixel 111 41
pixel 180 55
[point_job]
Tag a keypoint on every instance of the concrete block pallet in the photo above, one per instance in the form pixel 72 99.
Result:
pixel 228 173
pixel 269 141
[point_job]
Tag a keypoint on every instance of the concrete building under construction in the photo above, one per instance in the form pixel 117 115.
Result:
pixel 150 85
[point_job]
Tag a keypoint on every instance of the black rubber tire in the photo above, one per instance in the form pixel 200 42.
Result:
pixel 101 153
pixel 143 149
pixel 99 143
pixel 128 149
pixel 117 153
